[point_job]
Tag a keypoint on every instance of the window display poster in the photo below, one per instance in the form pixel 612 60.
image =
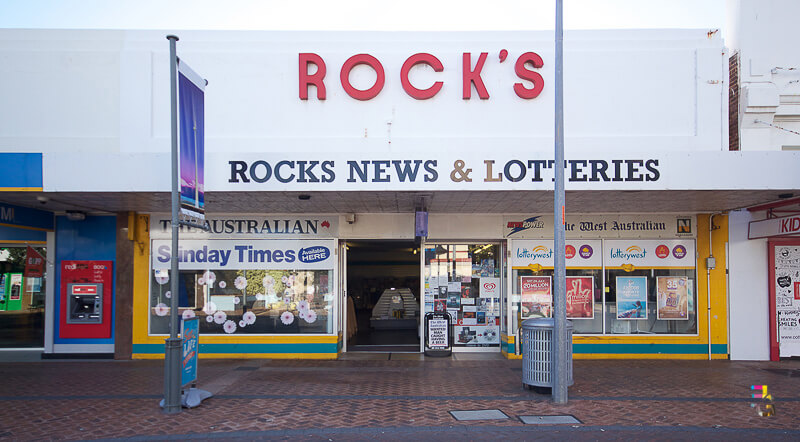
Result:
pixel 454 286
pixel 673 297
pixel 439 306
pixel 489 287
pixel 580 297
pixel 537 296
pixel 477 335
pixel 631 297
pixel 487 267
pixel 454 300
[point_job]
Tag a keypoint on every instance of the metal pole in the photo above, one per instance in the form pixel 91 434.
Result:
pixel 559 368
pixel 172 379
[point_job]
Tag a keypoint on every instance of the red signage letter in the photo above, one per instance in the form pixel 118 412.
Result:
pixel 370 61
pixel 315 78
pixel 421 58
pixel 474 77
pixel 527 74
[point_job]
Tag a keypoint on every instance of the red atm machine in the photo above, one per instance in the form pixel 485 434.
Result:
pixel 86 289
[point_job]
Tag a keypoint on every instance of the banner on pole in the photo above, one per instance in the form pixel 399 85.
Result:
pixel 191 136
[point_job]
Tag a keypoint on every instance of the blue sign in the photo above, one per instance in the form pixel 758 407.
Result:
pixel 190 335
pixel 192 144
pixel 314 254
pixel 21 171
pixel 18 216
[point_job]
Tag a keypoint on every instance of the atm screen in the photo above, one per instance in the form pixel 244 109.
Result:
pixel 83 305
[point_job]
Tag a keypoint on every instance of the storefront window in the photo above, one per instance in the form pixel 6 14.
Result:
pixel 649 285
pixel 241 301
pixel 21 298
pixel 464 280
pixel 532 283
pixel 651 301
pixel 533 297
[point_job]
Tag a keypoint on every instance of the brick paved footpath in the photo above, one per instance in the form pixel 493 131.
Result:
pixel 405 398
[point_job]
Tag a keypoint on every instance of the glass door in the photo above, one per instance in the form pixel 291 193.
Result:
pixel 464 280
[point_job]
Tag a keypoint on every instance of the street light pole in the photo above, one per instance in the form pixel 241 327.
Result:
pixel 172 348
pixel 559 367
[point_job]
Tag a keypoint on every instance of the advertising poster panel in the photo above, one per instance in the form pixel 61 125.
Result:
pixel 673 297
pixel 537 296
pixel 190 332
pixel 580 297
pixel 192 135
pixel 631 297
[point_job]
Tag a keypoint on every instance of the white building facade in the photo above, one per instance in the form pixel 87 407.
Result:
pixel 322 142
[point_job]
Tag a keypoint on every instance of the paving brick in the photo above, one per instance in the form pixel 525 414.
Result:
pixel 402 399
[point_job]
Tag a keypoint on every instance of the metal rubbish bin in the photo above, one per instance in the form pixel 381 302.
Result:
pixel 536 337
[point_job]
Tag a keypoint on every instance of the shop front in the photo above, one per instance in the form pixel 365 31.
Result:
pixel 635 284
pixel 24 274
pixel 261 286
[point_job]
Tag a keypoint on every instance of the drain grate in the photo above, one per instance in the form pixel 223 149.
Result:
pixel 245 368
pixel 549 420
pixel 477 415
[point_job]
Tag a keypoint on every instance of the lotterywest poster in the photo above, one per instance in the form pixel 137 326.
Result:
pixel 631 297
pixel 673 297
pixel 536 296
pixel 580 297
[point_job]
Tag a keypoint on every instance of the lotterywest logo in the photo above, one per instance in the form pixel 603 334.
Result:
pixel 314 254
pixel 471 76
pixel 569 252
pixel 538 252
pixel 586 251
pixel 632 252
pixel 679 251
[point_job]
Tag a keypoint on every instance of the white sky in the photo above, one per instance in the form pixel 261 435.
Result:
pixel 372 15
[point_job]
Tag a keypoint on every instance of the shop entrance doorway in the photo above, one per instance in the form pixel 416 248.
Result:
pixel 383 283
